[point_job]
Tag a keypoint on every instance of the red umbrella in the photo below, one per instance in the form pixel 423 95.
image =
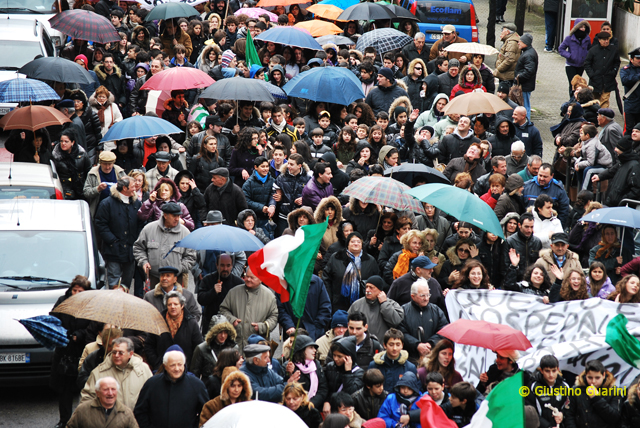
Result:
pixel 179 78
pixel 85 25
pixel 32 118
pixel 485 335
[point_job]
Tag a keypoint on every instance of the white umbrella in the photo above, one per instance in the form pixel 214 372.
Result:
pixel 252 414
pixel 472 48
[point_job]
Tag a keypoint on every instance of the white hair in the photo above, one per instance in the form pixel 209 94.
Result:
pixel 165 357
pixel 517 146
pixel 419 36
pixel 420 282
pixel 108 378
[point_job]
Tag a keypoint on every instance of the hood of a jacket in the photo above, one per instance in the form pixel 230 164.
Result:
pixel 330 158
pixel 347 345
pixel 93 102
pixel 477 81
pixel 380 360
pixel 292 217
pixel 580 23
pixel 354 208
pixel 413 64
pixel 609 380
pixel 384 151
pixel 320 213
pixel 242 216
pixel 433 85
pixel 219 328
pixel 512 129
pixel 410 380
pixel 453 257
pixel 400 100
pixel 235 375
pixel 102 74
pixel 176 192
pixel 361 145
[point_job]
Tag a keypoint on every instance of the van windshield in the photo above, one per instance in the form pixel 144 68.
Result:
pixel 16 53
pixel 444 12
pixel 59 255
pixel 27 6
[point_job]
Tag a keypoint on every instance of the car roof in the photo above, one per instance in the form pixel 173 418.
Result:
pixel 43 215
pixel 23 173
pixel 19 29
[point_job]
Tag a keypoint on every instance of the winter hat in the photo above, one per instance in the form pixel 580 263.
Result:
pixel 607 112
pixel 625 144
pixel 504 87
pixel 428 128
pixel 531 418
pixel 174 348
pixel 398 110
pixel 84 60
pixel 255 339
pixel 637 127
pixel 143 65
pixel 514 182
pixel 302 342
pixel 386 72
pixel 511 27
pixel 227 57
pixel 527 39
pixel 377 282
pixel 454 63
pixel 340 319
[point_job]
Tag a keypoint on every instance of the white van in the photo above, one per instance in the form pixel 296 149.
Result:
pixel 44 244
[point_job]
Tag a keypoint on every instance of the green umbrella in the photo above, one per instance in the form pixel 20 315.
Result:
pixel 166 11
pixel 462 204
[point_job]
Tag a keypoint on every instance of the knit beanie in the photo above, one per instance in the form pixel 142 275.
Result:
pixel 227 57
pixel 527 39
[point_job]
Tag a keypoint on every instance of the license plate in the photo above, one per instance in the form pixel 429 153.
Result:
pixel 17 358
pixel 4 110
pixel 436 36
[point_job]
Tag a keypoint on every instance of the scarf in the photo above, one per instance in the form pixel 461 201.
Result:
pixel 101 109
pixel 280 127
pixel 309 368
pixel 608 248
pixel 174 323
pixel 351 278
pixel 469 165
pixel 259 177
pixel 402 266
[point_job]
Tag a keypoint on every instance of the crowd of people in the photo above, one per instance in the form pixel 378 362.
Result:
pixel 367 348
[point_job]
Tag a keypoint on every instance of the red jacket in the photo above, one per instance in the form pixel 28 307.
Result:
pixel 489 199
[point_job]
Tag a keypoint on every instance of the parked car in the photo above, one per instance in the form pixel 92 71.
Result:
pixel 45 244
pixel 29 181
pixel 434 15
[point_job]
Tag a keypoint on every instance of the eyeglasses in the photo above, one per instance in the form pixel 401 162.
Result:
pixel 464 251
pixel 118 352
pixel 417 68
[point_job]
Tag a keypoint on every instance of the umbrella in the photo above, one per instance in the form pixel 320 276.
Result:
pixel 383 191
pixel 178 78
pixel 617 216
pixel 463 205
pixel 56 69
pixel 274 90
pixel 269 3
pixel 326 11
pixel 485 334
pixel 222 238
pixel 171 10
pixel 251 414
pixel 329 84
pixel 47 330
pixel 84 25
pixel 366 12
pixel 408 173
pixel 472 48
pixel 338 40
pixel 475 103
pixel 342 4
pixel 114 307
pixel 19 90
pixel 255 12
pixel 318 28
pixel 139 127
pixel 399 11
pixel 150 4
pixel 383 39
pixel 290 36
pixel 238 88
pixel 32 118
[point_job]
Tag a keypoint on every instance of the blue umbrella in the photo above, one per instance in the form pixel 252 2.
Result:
pixel 47 330
pixel 617 216
pixel 274 90
pixel 19 90
pixel 140 126
pixel 221 237
pixel 329 84
pixel 463 205
pixel 290 36
pixel 342 4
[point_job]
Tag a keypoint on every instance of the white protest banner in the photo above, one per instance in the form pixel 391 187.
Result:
pixel 572 331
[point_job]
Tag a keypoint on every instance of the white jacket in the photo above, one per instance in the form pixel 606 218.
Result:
pixel 543 229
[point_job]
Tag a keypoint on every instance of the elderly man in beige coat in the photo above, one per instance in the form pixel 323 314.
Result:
pixel 509 53
pixel 93 413
pixel 124 366
pixel 251 308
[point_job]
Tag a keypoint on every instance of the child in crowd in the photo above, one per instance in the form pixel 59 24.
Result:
pixel 393 362
pixel 369 399
pixel 461 406
pixel 395 409
pixel 435 388
pixel 318 148
pixel 549 406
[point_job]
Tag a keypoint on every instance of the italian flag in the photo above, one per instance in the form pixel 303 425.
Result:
pixel 432 415
pixel 623 343
pixel 504 406
pixel 285 264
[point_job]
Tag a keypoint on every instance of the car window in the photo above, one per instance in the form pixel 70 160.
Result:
pixel 48 44
pixel 27 192
pixel 16 53
pixel 444 12
pixel 27 6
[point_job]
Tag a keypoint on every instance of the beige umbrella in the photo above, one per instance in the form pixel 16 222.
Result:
pixel 116 308
pixel 472 48
pixel 476 103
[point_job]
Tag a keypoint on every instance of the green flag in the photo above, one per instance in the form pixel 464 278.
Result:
pixel 251 54
pixel 504 406
pixel 626 346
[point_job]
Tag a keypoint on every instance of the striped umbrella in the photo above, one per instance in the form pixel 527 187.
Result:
pixel 383 191
pixel 384 40
pixel 84 25
pixel 19 90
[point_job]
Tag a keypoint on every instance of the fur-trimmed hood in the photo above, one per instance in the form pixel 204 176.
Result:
pixel 402 85
pixel 580 23
pixel 331 46
pixel 134 36
pixel 320 213
pixel 219 328
pixel 412 65
pixel 247 392
pixel 453 257
pixel 292 218
pixel 379 357
pixel 512 128
pixel 93 102
pixel 102 75
pixel 358 54
pixel 168 104
pixel 354 208
pixel 609 380
pixel 363 144
pixel 590 103
pixel 508 217
pixel 157 292
pixel 176 192
pixel 632 396
pixel 283 169
pixel 204 56
pixel 477 82
pixel 397 102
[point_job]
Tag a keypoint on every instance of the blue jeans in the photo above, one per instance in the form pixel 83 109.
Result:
pixel 550 22
pixel 527 103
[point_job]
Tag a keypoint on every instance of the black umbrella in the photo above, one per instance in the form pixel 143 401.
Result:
pixel 410 173
pixel 366 12
pixel 56 69
pixel 400 12
pixel 167 11
pixel 238 88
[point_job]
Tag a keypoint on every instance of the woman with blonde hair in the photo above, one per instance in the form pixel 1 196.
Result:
pixel 412 247
pixel 430 240
pixel 141 185
pixel 165 191
pixel 236 388
pixel 440 360
pixel 295 398
pixel 103 103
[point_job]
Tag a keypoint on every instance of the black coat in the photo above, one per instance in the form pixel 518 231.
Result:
pixel 334 271
pixel 602 66
pixel 526 69
pixel 363 221
pixel 200 168
pixel 118 225
pixel 24 150
pixel 454 146
pixel 310 416
pixel 631 409
pixel 624 179
pixel 317 310
pixel 600 411
pixel 400 291
pixel 93 131
pixel 430 318
pixel 258 194
pixel 230 202
pixel 337 376
pixel 390 246
pixel 501 144
pixel 131 160
pixel 367 405
pixel 291 187
pixel 322 393
pixel 491 257
pixel 163 403
pixel 209 299
pixel 187 337
pixel 528 249
pixel 72 170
